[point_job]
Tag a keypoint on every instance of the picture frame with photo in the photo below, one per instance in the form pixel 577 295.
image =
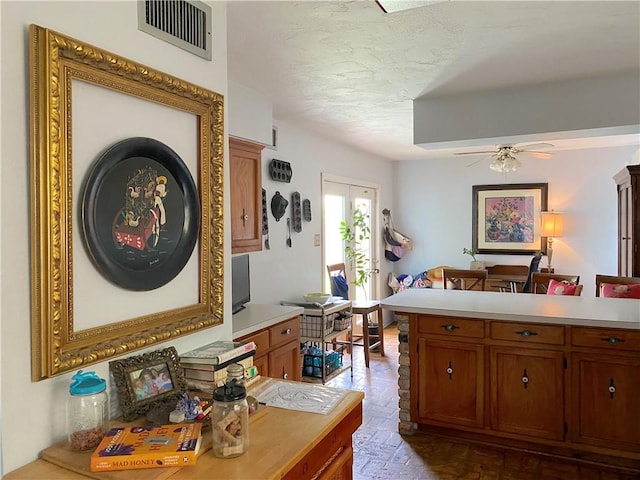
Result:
pixel 147 382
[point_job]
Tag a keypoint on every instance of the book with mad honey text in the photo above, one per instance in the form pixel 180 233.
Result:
pixel 217 352
pixel 129 448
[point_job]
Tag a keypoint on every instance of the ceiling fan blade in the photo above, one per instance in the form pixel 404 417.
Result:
pixel 544 155
pixel 531 146
pixel 478 161
pixel 474 153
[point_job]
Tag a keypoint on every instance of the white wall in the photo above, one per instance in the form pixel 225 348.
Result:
pixel 283 273
pixel 33 413
pixel 433 206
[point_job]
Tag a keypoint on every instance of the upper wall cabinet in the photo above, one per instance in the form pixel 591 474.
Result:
pixel 245 173
pixel 628 182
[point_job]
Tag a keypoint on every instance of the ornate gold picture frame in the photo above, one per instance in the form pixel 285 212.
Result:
pixel 60 342
pixel 147 382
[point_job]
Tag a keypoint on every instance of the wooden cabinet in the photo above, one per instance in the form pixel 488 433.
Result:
pixel 527 392
pixel 336 447
pixel 606 387
pixel 628 185
pixel 284 362
pixel 450 386
pixel 566 390
pixel 278 350
pixel 245 177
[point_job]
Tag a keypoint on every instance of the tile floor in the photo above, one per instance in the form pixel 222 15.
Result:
pixel 380 452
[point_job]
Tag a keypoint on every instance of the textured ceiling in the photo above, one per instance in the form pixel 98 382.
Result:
pixel 351 72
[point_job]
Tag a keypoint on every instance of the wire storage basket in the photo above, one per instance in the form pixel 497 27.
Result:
pixel 312 326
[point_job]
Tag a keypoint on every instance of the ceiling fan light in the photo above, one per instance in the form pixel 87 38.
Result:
pixel 497 165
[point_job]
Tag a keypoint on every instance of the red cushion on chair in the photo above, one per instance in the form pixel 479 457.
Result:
pixel 613 290
pixel 563 288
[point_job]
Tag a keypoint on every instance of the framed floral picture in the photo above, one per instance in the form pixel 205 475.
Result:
pixel 506 218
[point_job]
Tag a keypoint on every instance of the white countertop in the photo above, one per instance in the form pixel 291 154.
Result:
pixel 519 307
pixel 256 316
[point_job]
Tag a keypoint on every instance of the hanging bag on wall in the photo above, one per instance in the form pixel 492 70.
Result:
pixel 395 243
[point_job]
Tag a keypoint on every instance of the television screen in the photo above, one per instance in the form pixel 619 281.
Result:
pixel 240 284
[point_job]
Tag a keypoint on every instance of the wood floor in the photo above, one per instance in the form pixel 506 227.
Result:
pixel 380 452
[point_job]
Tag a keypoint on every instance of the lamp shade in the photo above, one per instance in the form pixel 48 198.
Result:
pixel 552 224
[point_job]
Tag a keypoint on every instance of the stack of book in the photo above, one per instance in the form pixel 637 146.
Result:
pixel 205 368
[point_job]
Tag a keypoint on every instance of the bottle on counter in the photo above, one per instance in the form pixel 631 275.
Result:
pixel 87 411
pixel 230 419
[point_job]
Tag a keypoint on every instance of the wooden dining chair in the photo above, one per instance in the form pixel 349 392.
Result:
pixel 364 308
pixel 458 279
pixel 602 279
pixel 506 278
pixel 540 281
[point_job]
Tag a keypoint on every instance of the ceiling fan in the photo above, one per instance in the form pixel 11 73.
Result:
pixel 505 155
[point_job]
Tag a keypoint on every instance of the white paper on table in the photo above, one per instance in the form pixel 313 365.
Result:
pixel 300 396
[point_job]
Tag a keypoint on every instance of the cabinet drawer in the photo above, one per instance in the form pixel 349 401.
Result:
pixel 455 327
pixel 261 340
pixel 528 332
pixel 605 338
pixel 284 332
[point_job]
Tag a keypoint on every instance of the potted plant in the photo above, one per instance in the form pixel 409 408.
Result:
pixel 475 263
pixel 353 236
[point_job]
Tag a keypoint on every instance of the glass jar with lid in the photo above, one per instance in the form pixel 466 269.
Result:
pixel 230 420
pixel 87 411
pixel 236 371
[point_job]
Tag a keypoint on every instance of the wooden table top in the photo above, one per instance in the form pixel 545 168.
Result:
pixel 278 440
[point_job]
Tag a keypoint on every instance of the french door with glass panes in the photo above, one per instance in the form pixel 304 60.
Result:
pixel 341 198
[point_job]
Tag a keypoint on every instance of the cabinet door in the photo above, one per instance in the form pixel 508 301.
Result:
pixel 341 467
pixel 284 362
pixel 527 392
pixel 607 394
pixel 245 174
pixel 625 211
pixel 450 382
pixel 262 364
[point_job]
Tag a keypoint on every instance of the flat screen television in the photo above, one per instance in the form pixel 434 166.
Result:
pixel 240 282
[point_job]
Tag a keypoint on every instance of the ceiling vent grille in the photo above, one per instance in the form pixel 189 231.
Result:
pixel 185 24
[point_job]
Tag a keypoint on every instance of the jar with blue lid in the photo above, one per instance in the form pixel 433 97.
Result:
pixel 87 411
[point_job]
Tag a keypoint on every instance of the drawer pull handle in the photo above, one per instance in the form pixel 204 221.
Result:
pixel 285 375
pixel 612 388
pixel 449 327
pixel 613 340
pixel 449 370
pixel 286 332
pixel 527 333
pixel 525 379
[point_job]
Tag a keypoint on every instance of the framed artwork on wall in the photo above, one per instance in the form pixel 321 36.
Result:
pixel 506 218
pixel 140 214
pixel 87 305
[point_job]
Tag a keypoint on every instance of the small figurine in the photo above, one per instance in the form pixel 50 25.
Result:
pixel 193 409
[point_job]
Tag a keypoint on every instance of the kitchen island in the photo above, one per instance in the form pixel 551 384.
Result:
pixel 559 375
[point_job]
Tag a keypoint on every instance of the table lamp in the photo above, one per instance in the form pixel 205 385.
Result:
pixel 552 225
